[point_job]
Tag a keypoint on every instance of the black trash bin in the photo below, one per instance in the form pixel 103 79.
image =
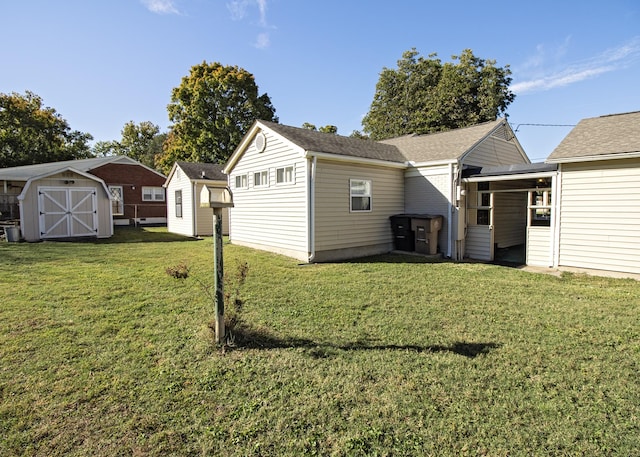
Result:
pixel 403 236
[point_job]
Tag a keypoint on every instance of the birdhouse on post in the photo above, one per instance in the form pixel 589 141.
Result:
pixel 217 197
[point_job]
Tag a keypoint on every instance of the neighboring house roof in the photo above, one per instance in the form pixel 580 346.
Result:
pixel 314 141
pixel 597 138
pixel 26 172
pixel 203 171
pixel 198 171
pixel 443 146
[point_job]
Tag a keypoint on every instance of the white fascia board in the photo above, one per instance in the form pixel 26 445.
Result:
pixel 542 174
pixel 432 163
pixel 624 155
pixel 352 159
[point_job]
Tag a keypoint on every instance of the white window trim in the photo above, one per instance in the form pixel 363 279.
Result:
pixel 285 175
pixel 156 192
pixel 244 181
pixel 117 208
pixel 176 204
pixel 352 195
pixel 263 182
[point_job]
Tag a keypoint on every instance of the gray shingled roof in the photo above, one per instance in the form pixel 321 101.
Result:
pixel 27 172
pixel 314 141
pixel 615 134
pixel 449 145
pixel 212 171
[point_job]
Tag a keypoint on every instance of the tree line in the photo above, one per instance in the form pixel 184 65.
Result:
pixel 215 105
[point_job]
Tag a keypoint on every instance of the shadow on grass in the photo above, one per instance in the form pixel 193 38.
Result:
pixel 247 338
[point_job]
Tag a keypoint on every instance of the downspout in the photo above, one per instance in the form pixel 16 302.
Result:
pixel 450 218
pixel 194 212
pixel 556 184
pixel 311 205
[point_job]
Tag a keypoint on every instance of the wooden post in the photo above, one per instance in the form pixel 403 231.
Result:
pixel 218 273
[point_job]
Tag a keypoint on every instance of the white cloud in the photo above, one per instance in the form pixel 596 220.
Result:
pixel 262 41
pixel 608 61
pixel 161 6
pixel 239 10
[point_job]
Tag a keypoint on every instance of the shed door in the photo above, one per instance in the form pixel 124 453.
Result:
pixel 67 212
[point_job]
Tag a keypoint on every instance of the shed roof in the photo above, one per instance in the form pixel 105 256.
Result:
pixel 597 138
pixel 314 141
pixel 204 171
pixel 26 172
pixel 449 145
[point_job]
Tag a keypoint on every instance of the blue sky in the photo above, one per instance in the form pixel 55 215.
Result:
pixel 101 63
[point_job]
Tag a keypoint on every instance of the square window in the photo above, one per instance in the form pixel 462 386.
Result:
pixel 284 175
pixel 241 182
pixel 261 178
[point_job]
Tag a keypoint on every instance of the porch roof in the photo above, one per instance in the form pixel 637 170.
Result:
pixel 510 172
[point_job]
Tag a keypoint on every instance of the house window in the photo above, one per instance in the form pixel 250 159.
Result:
pixel 241 182
pixel 360 194
pixel 261 179
pixel 284 175
pixel 484 204
pixel 117 200
pixel 540 207
pixel 152 194
pixel 178 203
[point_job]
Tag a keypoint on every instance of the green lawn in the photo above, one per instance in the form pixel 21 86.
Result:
pixel 102 353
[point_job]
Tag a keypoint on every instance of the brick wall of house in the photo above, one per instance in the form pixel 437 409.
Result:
pixel 132 178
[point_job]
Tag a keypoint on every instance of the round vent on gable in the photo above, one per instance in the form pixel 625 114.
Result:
pixel 260 142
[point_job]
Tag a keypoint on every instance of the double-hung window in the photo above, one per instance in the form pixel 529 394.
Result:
pixel 178 203
pixel 360 195
pixel 152 194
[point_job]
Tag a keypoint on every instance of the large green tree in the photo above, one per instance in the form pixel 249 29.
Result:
pixel 211 110
pixel 141 142
pixel 31 133
pixel 423 95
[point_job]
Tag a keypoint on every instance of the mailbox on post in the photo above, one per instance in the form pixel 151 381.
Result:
pixel 217 197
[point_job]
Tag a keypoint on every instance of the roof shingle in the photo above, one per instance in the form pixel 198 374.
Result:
pixel 616 134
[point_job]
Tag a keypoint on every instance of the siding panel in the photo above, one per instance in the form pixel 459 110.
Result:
pixel 600 214
pixel 337 227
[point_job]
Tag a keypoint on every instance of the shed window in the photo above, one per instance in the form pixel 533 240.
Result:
pixel 360 194
pixel 117 200
pixel 261 178
pixel 241 182
pixel 178 203
pixel 284 175
pixel 152 194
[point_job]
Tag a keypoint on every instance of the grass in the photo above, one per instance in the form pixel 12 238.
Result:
pixel 102 353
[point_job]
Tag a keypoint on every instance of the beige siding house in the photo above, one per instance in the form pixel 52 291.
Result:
pixel 320 197
pixel 185 215
pixel 598 194
pixel 313 196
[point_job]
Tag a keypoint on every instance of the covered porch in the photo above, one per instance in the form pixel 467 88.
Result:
pixel 511 214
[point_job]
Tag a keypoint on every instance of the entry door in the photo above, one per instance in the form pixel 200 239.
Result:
pixel 67 212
